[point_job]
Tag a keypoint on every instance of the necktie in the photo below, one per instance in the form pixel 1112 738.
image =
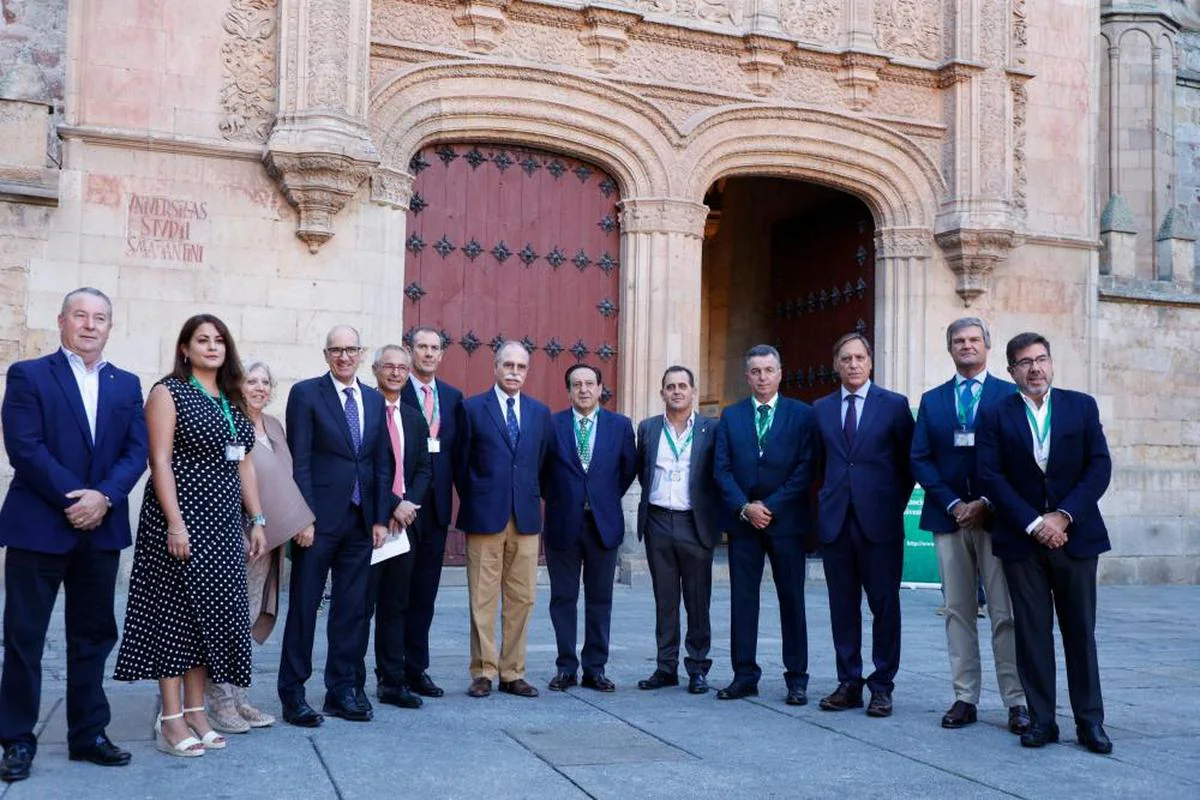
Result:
pixel 850 425
pixel 397 450
pixel 763 424
pixel 351 409
pixel 582 443
pixel 965 400
pixel 434 424
pixel 514 430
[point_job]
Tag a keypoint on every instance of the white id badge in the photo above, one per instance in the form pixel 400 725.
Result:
pixel 675 475
pixel 235 452
pixel 435 445
pixel 964 438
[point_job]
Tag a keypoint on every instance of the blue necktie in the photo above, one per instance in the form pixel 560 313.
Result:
pixel 351 408
pixel 850 424
pixel 514 430
pixel 964 399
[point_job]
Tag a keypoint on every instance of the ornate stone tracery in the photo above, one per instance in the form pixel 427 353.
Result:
pixel 248 70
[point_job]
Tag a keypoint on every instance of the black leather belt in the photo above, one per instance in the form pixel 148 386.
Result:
pixel 662 510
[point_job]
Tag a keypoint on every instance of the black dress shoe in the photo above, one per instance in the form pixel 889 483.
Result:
pixel 423 685
pixel 346 706
pixel 563 681
pixel 697 684
pixel 365 702
pixel 18 758
pixel 480 687
pixel 796 696
pixel 960 714
pixel 1039 735
pixel 880 705
pixel 1018 719
pixel 102 752
pixel 399 696
pixel 660 679
pixel 598 681
pixel 737 690
pixel 1093 737
pixel 844 697
pixel 520 687
pixel 301 715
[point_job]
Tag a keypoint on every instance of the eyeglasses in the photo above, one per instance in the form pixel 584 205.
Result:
pixel 1026 363
pixel 392 367
pixel 338 352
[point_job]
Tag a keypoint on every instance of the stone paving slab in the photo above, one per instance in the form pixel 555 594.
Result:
pixel 667 743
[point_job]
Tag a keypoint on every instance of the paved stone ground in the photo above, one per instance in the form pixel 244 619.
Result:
pixel 635 744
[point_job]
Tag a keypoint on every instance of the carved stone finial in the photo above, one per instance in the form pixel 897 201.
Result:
pixel 606 36
pixel 318 185
pixel 762 59
pixel 482 22
pixel 973 256
pixel 1117 216
pixel 858 76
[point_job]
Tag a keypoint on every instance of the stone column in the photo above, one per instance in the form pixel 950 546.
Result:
pixel 901 257
pixel 390 193
pixel 661 246
pixel 320 150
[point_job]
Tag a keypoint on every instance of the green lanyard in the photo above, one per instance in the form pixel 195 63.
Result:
pixel 966 411
pixel 678 449
pixel 1040 433
pixel 223 405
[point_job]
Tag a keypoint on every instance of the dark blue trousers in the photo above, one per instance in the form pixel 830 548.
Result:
pixel 599 566
pixel 429 550
pixel 748 550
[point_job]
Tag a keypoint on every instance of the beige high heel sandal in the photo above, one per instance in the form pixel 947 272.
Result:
pixel 211 740
pixel 185 747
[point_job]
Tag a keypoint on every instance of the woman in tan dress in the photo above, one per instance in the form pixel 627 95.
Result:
pixel 288 517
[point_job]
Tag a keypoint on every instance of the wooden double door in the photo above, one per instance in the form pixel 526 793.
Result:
pixel 513 243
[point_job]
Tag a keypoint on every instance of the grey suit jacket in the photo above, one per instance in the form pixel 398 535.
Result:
pixel 702 486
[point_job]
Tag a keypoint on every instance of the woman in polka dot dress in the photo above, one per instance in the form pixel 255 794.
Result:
pixel 187 618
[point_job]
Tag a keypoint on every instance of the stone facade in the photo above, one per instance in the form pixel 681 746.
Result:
pixel 251 158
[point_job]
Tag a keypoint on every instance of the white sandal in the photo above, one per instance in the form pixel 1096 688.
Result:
pixel 211 740
pixel 185 747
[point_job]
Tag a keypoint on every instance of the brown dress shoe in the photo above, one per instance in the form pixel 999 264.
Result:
pixel 845 696
pixel 1018 719
pixel 960 714
pixel 520 687
pixel 880 705
pixel 480 687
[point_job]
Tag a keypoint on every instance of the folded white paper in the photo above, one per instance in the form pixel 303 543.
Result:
pixel 396 544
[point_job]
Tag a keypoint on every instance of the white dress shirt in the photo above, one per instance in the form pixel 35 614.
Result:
pixel 88 381
pixel 593 418
pixel 339 387
pixel 1041 450
pixel 419 390
pixel 859 404
pixel 664 493
pixel 502 399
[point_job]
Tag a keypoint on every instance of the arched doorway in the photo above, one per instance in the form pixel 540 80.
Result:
pixel 513 243
pixel 786 263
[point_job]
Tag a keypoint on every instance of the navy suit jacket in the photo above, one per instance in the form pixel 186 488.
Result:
pixel 1077 473
pixel 495 481
pixel 875 475
pixel 418 470
pixel 441 490
pixel 946 472
pixel 779 478
pixel 50 447
pixel 702 482
pixel 324 462
pixel 566 486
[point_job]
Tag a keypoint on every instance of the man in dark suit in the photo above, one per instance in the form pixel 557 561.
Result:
pixel 76 439
pixel 764 464
pixel 390 579
pixel 1046 477
pixel 342 462
pixel 866 435
pixel 503 436
pixel 590 463
pixel 960 517
pixel 438 403
pixel 677 518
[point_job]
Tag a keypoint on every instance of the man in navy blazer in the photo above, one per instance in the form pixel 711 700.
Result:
pixel 764 465
pixel 438 402
pixel 76 439
pixel 342 462
pixel 959 516
pixel 866 435
pixel 503 436
pixel 1044 463
pixel 590 463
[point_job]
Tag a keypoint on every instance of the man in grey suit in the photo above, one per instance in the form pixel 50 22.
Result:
pixel 677 518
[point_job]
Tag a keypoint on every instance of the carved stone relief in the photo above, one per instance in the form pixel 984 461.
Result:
pixel 248 70
pixel 910 28
pixel 1020 177
pixel 327 54
pixel 718 12
pixel 816 21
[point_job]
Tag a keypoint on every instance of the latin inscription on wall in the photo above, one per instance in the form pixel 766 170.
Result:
pixel 166 228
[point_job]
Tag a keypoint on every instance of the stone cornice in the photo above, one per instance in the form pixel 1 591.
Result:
pixel 127 139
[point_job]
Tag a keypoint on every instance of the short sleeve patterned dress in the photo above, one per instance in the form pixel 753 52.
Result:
pixel 185 614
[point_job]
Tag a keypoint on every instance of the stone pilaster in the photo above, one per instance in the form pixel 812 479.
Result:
pixel 320 150
pixel 902 256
